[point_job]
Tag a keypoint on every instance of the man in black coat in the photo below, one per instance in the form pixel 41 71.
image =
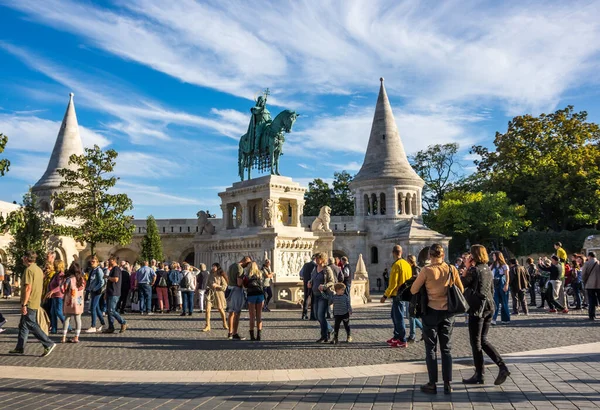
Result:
pixel 305 276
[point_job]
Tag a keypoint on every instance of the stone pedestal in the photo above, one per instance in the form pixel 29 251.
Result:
pixel 262 219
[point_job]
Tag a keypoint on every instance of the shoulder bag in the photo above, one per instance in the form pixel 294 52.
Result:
pixel 457 304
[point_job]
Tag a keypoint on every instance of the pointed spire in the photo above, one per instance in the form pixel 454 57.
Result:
pixel 67 143
pixel 385 156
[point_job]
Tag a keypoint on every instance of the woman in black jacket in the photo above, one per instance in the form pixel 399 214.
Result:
pixel 479 279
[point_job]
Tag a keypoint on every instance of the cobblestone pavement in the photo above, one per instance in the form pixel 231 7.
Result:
pixel 171 342
pixel 567 383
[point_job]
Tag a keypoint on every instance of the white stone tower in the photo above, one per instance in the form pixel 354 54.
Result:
pixel 68 142
pixel 386 187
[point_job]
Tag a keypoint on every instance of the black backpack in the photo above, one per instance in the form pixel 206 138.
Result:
pixel 185 281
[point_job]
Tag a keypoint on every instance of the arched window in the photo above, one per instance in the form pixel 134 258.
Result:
pixel 367 205
pixel 382 203
pixel 374 254
pixel 374 204
pixel 407 204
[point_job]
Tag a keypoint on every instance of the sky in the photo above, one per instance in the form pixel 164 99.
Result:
pixel 169 85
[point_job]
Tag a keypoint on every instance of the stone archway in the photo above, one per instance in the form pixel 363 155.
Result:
pixel 338 253
pixel 189 256
pixel 126 254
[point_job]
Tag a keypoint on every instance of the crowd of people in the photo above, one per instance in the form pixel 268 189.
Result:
pixel 422 291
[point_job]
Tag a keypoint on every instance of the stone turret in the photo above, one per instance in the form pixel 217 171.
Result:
pixel 68 142
pixel 386 185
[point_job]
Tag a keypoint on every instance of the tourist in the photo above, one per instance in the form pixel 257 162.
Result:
pixel 256 299
pixel 125 286
pixel 1 280
pixel 236 298
pixel 577 284
pixel 73 288
pixel 201 283
pixel 113 294
pixel 400 273
pixel 95 285
pixel 518 286
pixel 48 275
pixel 437 322
pixel 479 278
pixel 216 286
pixel 386 278
pixel 31 295
pixel 174 281
pixel 337 273
pixel 560 252
pixel 533 276
pixel 187 288
pixel 501 282
pixel 591 281
pixel 341 312
pixel 554 284
pixel 56 295
pixel 562 258
pixel 267 275
pixel 347 275
pixel 544 278
pixel 145 280
pixel 412 321
pixel 162 287
pixel 305 274
pixel 2 291
pixel 322 278
pixel 6 285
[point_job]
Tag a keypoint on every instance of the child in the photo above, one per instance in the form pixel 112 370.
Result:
pixel 341 312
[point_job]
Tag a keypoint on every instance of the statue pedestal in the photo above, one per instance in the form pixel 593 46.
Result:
pixel 262 219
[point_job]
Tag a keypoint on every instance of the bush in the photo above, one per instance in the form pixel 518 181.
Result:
pixel 531 242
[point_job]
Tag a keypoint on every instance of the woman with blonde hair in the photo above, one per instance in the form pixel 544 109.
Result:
pixel 501 281
pixel 437 322
pixel 256 299
pixel 56 295
pixel 321 282
pixel 216 286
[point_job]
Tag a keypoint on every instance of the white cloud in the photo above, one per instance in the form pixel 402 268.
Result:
pixel 26 132
pixel 525 57
pixel 149 195
pixel 138 164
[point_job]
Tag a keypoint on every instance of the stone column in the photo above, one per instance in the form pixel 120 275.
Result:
pixel 299 210
pixel 245 214
pixel 402 202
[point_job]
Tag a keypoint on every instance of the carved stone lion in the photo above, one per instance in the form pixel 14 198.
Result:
pixel 204 225
pixel 272 213
pixel 321 224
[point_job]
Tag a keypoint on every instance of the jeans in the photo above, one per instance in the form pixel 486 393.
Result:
pixel 28 324
pixel 501 300
pixel 188 301
pixel 173 291
pixel 111 309
pixel 518 298
pixel 321 304
pixel 532 292
pixel 122 301
pixel 577 294
pixel 307 293
pixel 95 308
pixel 478 330
pixel 268 295
pixel 398 320
pixel 56 312
pixel 413 322
pixel 437 325
pixel 553 293
pixel 145 297
pixel 593 300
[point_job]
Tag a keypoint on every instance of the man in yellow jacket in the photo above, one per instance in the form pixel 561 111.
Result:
pixel 400 273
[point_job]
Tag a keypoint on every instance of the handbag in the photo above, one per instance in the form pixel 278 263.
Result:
pixel 457 304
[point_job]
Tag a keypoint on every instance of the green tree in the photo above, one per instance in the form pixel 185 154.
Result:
pixel 318 195
pixel 98 215
pixel 4 163
pixel 151 242
pixel 30 231
pixel 437 165
pixel 343 202
pixel 479 216
pixel 551 165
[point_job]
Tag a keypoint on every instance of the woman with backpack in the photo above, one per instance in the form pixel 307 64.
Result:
pixel 256 299
pixel 188 288
pixel 73 287
pixel 162 287
pixel 478 281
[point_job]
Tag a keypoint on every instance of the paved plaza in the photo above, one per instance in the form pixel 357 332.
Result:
pixel 165 361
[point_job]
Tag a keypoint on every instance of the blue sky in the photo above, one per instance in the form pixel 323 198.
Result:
pixel 169 84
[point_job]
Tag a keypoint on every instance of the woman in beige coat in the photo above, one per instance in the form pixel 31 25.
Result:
pixel 215 294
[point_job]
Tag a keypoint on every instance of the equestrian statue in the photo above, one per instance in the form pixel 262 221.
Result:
pixel 262 145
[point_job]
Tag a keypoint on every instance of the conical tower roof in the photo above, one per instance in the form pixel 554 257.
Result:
pixel 385 156
pixel 67 143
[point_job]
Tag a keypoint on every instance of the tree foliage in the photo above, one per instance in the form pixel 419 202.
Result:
pixel 30 230
pixel 437 165
pixel 551 165
pixel 480 216
pixel 151 242
pixel 4 163
pixel 320 194
pixel 98 215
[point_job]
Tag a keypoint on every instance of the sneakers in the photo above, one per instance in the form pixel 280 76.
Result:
pixel 392 340
pixel 123 328
pixel 109 330
pixel 229 336
pixel 399 343
pixel 237 337
pixel 552 311
pixel 16 351
pixel 565 311
pixel 91 330
pixel 493 322
pixel 48 350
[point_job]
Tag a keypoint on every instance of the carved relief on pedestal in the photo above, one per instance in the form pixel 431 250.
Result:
pixel 289 263
pixel 272 213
